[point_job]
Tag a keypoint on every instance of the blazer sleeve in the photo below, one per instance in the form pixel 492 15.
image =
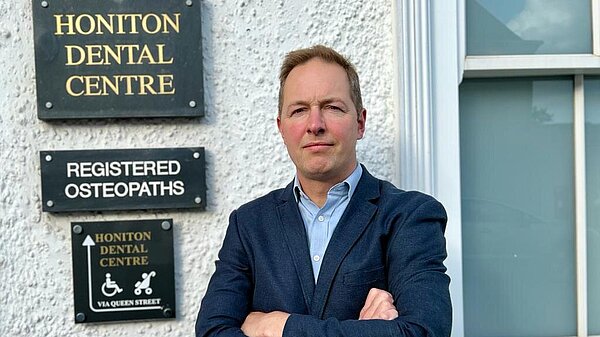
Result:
pixel 228 298
pixel 416 279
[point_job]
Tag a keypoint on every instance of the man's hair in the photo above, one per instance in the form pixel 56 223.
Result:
pixel 301 56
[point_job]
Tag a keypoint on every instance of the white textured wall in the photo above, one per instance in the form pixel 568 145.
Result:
pixel 244 42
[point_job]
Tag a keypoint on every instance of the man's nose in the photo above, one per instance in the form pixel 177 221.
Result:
pixel 316 123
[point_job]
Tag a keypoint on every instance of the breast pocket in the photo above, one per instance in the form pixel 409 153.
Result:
pixel 373 277
pixel 352 291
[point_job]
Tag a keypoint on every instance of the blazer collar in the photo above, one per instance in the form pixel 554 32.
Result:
pixel 294 233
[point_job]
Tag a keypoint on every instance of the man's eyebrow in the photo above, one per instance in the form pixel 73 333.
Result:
pixel 332 100
pixel 325 101
pixel 298 102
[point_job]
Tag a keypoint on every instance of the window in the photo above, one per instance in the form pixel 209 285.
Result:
pixel 592 146
pixel 519 27
pixel 517 173
pixel 529 113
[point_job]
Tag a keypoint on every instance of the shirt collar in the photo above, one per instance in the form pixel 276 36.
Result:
pixel 351 181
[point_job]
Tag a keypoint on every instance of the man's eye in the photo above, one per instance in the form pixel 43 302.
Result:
pixel 297 111
pixel 333 107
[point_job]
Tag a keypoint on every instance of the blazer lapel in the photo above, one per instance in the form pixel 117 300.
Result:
pixel 294 232
pixel 354 221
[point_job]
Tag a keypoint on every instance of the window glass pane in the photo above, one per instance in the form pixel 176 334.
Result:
pixel 502 27
pixel 516 138
pixel 592 139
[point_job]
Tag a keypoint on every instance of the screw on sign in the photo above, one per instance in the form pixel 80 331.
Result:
pixel 132 291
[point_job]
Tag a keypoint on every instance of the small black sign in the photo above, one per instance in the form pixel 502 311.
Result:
pixel 123 270
pixel 115 59
pixel 93 180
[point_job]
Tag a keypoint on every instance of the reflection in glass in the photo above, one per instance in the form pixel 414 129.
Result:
pixel 592 149
pixel 516 139
pixel 504 27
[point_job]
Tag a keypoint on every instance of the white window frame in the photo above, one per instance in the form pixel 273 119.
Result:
pixel 431 56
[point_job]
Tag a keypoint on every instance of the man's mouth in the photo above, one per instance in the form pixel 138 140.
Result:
pixel 317 145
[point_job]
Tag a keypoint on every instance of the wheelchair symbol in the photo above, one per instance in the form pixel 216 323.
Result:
pixel 110 288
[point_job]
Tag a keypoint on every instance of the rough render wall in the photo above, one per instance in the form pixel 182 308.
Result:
pixel 243 44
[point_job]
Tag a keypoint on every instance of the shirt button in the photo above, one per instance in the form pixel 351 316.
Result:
pixel 321 218
pixel 316 258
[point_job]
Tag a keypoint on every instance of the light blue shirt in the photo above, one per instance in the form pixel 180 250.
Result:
pixel 321 222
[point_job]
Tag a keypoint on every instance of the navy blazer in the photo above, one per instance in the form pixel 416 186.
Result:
pixel 387 238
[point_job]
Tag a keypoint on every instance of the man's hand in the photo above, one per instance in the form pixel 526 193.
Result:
pixel 260 324
pixel 378 305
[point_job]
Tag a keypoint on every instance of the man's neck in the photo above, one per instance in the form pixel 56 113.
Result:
pixel 317 189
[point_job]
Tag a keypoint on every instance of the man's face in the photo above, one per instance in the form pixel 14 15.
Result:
pixel 319 123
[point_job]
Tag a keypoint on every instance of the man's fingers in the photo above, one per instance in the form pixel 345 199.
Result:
pixel 265 324
pixel 380 309
pixel 368 308
pixel 388 314
pixel 378 305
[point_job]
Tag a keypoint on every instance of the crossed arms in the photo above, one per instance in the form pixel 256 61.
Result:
pixel 414 302
pixel 378 305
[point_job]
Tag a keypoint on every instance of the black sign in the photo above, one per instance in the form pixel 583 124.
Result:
pixel 93 180
pixel 123 270
pixel 118 58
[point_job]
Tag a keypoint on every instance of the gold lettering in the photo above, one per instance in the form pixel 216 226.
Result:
pixel 146 82
pixel 60 24
pixel 124 261
pixel 161 55
pixel 69 86
pixel 114 86
pixel 146 54
pixel 132 18
pixel 122 23
pixel 94 55
pixel 123 237
pixel 102 22
pixel 91 24
pixel 99 238
pixel 167 21
pixel 165 82
pixel 129 85
pixel 130 48
pixel 70 53
pixel 157 23
pixel 110 52
pixel 123 249
pixel 92 85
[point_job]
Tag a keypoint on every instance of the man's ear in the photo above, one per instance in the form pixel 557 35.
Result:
pixel 362 119
pixel 279 128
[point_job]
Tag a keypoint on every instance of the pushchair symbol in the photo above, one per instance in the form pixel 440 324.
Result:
pixel 144 284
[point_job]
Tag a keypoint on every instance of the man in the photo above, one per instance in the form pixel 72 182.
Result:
pixel 337 252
